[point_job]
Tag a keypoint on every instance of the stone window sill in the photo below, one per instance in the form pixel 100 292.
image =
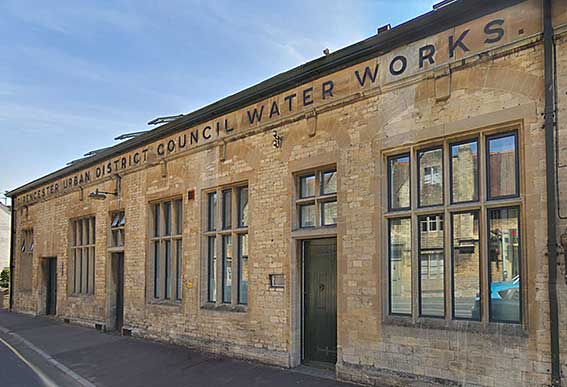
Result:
pixel 165 303
pixel 78 296
pixel 491 328
pixel 225 307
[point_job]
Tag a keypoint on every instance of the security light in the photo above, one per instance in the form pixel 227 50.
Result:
pixel 101 195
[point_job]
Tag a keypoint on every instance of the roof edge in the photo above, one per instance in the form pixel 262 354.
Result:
pixel 430 23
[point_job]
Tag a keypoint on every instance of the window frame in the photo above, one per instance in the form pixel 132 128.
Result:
pixel 389 174
pixel 496 136
pixel 157 281
pixel 478 168
pixel 520 268
pixel 482 206
pixel 480 265
pixel 25 274
pixel 418 186
pixel 317 200
pixel 120 229
pixel 389 221
pixel 419 279
pixel 234 230
pixel 81 246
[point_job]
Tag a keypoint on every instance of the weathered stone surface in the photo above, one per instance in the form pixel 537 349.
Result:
pixel 502 89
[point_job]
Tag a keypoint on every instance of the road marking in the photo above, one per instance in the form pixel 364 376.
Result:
pixel 44 379
pixel 72 374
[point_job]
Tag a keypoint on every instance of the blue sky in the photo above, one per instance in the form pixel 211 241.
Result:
pixel 75 74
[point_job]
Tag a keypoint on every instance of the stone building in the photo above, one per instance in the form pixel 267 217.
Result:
pixel 382 211
pixel 5 227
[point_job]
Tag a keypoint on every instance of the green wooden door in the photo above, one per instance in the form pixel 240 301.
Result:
pixel 320 301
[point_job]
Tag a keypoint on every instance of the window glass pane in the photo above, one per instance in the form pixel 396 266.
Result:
pixel 243 269
pixel 156 269
pixel 431 268
pixel 179 217
pixel 329 180
pixel 157 220
pixel 504 260
pixel 430 164
pixel 329 213
pixel 167 269
pixel 399 182
pixel 464 172
pixel 115 219
pixel 122 219
pixel 400 266
pixel 167 217
pixel 87 270
pixel 178 257
pixel 466 266
pixel 226 269
pixel 307 186
pixel 227 209
pixel 212 293
pixel 115 238
pixel 80 229
pixel 211 211
pixel 243 207
pixel 502 160
pixel 307 215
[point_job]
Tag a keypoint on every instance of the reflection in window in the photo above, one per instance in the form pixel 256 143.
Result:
pixel 307 186
pixel 432 270
pixel 504 262
pixel 464 172
pixel 117 230
pixel 166 248
pixel 212 272
pixel 227 209
pixel 399 182
pixel 307 215
pixel 329 211
pixel 242 206
pixel 227 269
pixel 243 269
pixel 211 211
pixel 502 166
pixel 466 265
pixel 400 266
pixel 430 165
pixel 329 185
pixel 227 246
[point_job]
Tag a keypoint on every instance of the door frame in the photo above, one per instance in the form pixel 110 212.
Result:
pixel 301 245
pixel 112 288
pixel 45 266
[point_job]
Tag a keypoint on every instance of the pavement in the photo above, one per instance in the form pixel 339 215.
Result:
pixel 41 351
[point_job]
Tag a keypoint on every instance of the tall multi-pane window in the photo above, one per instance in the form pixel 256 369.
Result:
pixel 166 249
pixel 317 198
pixel 26 259
pixel 449 277
pixel 226 240
pixel 83 239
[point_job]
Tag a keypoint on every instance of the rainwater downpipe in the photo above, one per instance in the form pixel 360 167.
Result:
pixel 551 194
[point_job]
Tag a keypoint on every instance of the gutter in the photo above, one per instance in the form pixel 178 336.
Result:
pixel 12 252
pixel 431 23
pixel 551 194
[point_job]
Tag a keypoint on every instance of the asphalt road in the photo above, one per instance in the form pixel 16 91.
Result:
pixel 14 372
